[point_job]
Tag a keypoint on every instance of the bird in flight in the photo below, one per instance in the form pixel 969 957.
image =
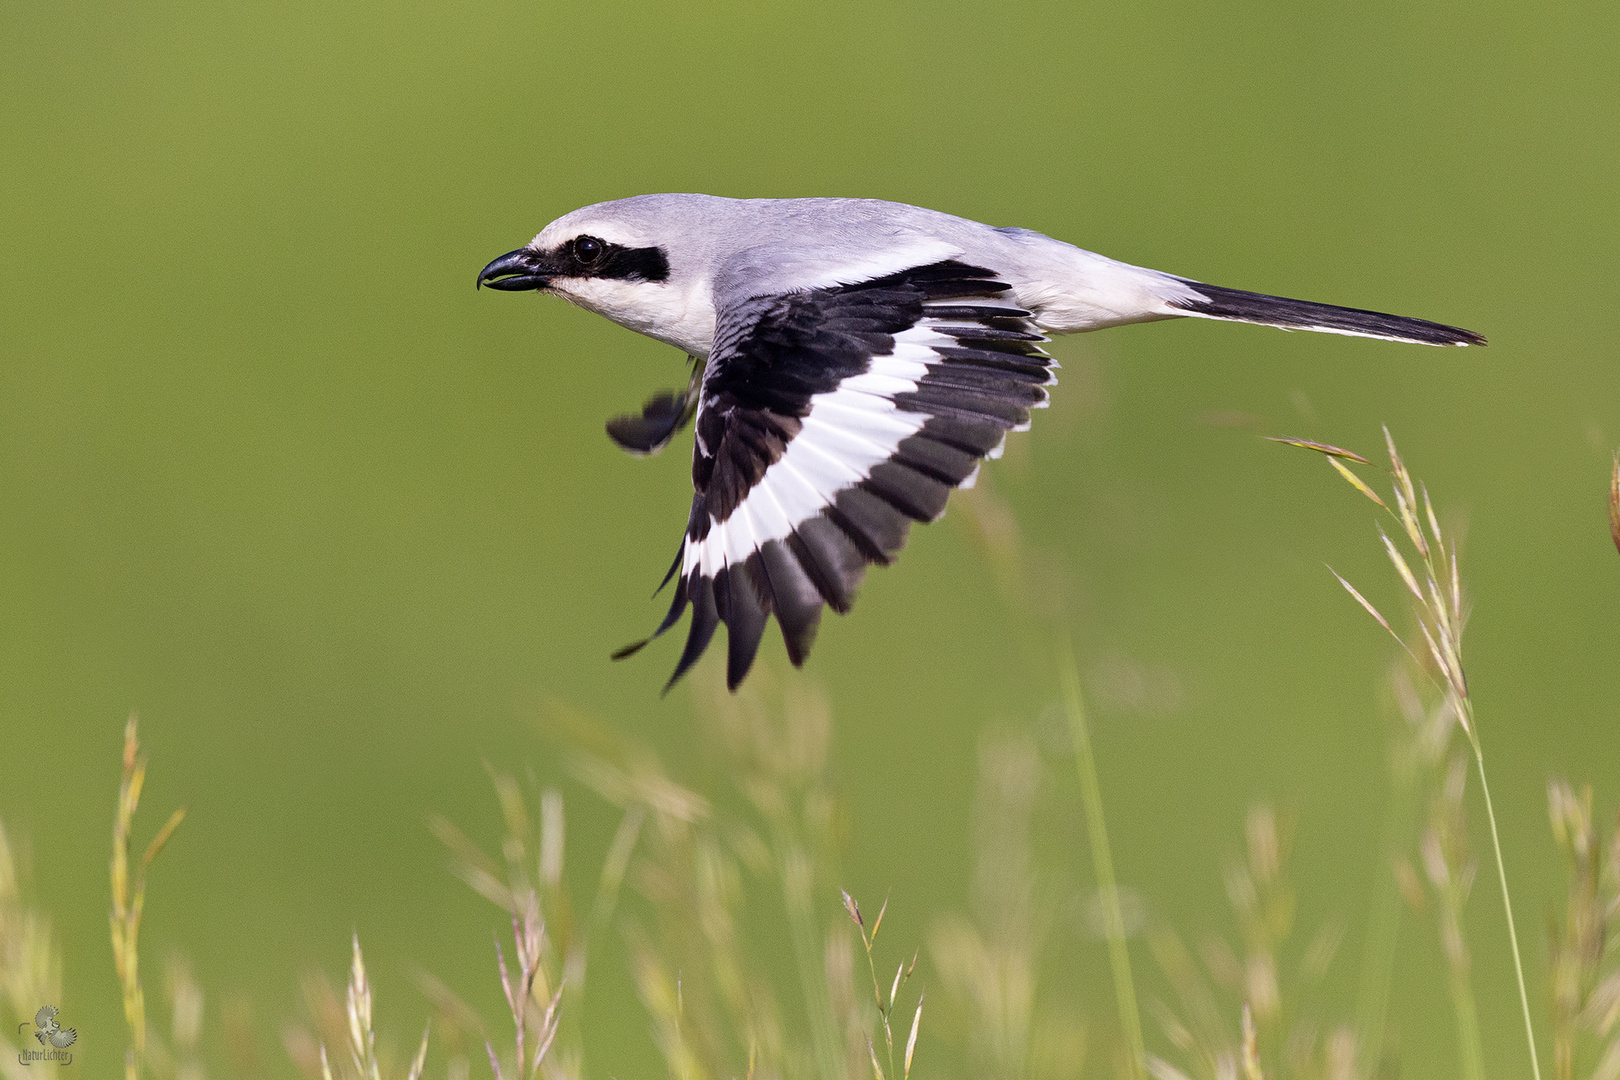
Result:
pixel 853 360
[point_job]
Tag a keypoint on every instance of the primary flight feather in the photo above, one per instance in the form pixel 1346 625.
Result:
pixel 854 360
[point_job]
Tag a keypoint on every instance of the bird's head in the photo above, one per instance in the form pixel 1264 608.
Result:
pixel 620 260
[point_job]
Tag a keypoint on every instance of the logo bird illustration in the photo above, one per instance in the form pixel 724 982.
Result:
pixel 51 1033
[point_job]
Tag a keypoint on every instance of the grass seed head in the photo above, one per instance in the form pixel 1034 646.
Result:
pixel 854 910
pixel 1398 467
pixel 1320 447
pixel 1411 888
pixel 1365 603
pixel 911 1040
pixel 30 958
pixel 551 837
pixel 1456 587
pixel 362 1039
pixel 548 1029
pixel 1571 817
pixel 1405 494
pixel 1251 1047
pixel 129 893
pixel 162 837
pixel 877 1070
pixel 1265 848
pixel 185 1002
pixel 1614 502
pixel 419 1062
pixel 1261 985
pixel 1434 522
pixel 1356 482
pixel 1161 1069
pixel 1400 565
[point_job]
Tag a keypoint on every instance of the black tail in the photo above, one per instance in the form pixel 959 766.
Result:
pixel 1239 306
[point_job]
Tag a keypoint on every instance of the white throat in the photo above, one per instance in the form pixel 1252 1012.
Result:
pixel 678 315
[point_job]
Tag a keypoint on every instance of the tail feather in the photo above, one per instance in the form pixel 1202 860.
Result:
pixel 1235 305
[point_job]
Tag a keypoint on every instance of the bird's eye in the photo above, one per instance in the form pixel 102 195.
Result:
pixel 587 249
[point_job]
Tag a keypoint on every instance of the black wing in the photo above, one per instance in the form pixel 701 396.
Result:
pixel 661 417
pixel 829 421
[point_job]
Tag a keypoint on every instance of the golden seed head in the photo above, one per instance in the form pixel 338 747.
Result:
pixel 1614 502
pixel 1321 448
pixel 853 908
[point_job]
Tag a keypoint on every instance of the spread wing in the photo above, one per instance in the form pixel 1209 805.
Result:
pixel 829 420
pixel 64 1037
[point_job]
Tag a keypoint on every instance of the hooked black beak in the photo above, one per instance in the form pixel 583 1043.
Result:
pixel 515 271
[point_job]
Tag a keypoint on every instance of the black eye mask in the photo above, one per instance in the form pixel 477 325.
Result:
pixel 664 414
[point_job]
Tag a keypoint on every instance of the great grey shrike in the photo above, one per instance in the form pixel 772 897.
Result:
pixel 853 361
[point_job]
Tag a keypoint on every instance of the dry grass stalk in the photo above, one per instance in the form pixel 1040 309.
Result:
pixel 1440 616
pixel 129 895
pixel 990 960
pixel 1450 872
pixel 774 740
pixel 689 971
pixel 885 1007
pixel 551 944
pixel 714 1013
pixel 1251 1047
pixel 1614 502
pixel 179 1059
pixel 30 957
pixel 527 881
pixel 524 992
pixel 458 1024
pixel 1264 904
pixel 185 999
pixel 1586 944
pixel 1420 744
pixel 362 1038
pixel 1322 448
pixel 1035 582
pixel 1276 1034
pixel 346 1022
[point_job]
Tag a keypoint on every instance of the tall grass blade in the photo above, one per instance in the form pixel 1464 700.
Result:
pixel 1444 612
pixel 1507 902
pixel 1130 1017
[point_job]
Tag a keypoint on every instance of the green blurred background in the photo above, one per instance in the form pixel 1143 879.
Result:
pixel 274 474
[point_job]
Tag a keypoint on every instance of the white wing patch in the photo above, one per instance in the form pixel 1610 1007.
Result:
pixel 846 433
pixel 815 456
